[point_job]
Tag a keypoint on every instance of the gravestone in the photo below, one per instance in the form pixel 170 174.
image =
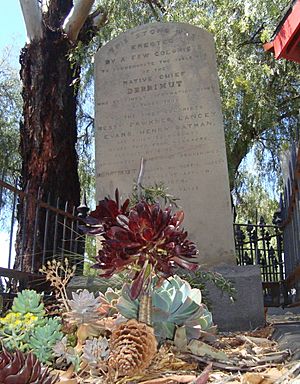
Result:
pixel 157 97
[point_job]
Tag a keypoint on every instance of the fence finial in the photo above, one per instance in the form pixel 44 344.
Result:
pixel 83 208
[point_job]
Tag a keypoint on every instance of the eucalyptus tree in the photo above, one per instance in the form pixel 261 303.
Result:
pixel 48 131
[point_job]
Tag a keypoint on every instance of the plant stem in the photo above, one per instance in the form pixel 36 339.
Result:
pixel 145 309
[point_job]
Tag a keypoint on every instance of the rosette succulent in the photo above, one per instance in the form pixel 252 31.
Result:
pixel 28 301
pixel 19 368
pixel 145 238
pixel 174 303
pixel 43 339
pixel 84 307
pixel 95 354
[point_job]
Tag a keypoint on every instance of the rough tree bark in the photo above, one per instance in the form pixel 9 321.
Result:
pixel 48 130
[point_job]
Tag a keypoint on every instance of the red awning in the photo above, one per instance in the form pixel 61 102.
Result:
pixel 286 42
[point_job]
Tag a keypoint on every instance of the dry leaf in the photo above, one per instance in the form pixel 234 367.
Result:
pixel 256 378
pixel 199 348
pixel 265 332
pixel 180 340
pixel 258 341
pixel 172 379
pixel 68 381
pixel 86 330
pixel 202 379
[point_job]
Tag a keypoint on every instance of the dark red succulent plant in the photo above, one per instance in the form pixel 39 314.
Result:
pixel 145 238
pixel 20 368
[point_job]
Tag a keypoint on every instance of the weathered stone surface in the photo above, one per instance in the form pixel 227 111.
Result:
pixel 93 284
pixel 247 312
pixel 157 97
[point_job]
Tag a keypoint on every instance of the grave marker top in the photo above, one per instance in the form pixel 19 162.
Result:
pixel 157 97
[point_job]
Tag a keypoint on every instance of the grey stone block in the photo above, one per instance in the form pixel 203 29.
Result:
pixel 93 284
pixel 247 312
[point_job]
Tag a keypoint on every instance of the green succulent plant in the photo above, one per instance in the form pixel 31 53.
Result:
pixel 30 331
pixel 43 339
pixel 174 303
pixel 28 301
pixel 84 307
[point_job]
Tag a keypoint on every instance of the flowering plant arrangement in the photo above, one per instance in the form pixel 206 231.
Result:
pixel 145 239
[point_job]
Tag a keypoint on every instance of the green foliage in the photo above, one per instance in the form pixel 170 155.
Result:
pixel 26 328
pixel 28 301
pixel 174 303
pixel 10 113
pixel 153 194
pixel 44 337
pixel 254 200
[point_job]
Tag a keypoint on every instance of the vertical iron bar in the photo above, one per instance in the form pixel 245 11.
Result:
pixel 72 230
pixel 24 226
pixel 64 232
pixel 267 256
pixel 36 223
pixel 263 242
pixel 12 223
pixel 77 237
pixel 279 253
pixel 55 228
pixel 46 230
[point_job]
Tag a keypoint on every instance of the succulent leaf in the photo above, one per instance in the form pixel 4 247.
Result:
pixel 95 350
pixel 65 353
pixel 28 301
pixel 19 368
pixel 174 304
pixel 44 338
pixel 84 307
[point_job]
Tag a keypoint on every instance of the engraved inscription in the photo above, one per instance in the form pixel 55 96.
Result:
pixel 157 97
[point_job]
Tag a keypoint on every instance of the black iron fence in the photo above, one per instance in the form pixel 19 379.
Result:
pixel 262 245
pixel 61 235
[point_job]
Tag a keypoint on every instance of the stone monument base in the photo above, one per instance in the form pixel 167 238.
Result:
pixel 247 312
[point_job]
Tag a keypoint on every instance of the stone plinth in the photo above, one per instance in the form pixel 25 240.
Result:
pixel 247 312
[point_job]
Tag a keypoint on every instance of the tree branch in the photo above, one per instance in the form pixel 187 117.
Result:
pixel 33 19
pixel 99 17
pixel 76 18
pixel 155 3
pixel 252 38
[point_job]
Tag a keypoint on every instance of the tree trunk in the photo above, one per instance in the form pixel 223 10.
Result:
pixel 48 134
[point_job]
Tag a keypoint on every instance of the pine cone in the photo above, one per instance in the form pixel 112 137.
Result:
pixel 19 368
pixel 132 348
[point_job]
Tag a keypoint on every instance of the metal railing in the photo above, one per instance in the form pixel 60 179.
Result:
pixel 262 245
pixel 60 238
